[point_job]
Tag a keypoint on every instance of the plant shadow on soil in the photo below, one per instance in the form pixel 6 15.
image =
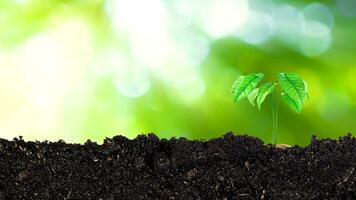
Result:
pixel 230 167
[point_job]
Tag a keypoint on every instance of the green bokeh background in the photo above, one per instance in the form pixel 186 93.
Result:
pixel 78 70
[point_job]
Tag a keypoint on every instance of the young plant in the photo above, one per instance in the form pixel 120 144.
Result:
pixel 293 91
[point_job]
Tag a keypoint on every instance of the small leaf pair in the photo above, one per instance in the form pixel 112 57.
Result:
pixel 294 89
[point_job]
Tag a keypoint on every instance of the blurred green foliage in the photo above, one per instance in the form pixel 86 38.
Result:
pixel 80 69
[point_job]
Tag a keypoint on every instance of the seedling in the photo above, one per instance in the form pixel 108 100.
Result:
pixel 293 91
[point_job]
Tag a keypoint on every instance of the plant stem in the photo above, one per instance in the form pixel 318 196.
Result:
pixel 274 105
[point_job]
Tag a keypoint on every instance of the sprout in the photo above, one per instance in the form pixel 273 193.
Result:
pixel 294 93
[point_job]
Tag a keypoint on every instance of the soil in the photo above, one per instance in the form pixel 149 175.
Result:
pixel 230 167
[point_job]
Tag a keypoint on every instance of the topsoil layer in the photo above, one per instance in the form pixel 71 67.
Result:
pixel 231 167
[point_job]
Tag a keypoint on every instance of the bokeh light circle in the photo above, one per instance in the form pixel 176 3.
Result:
pixel 319 12
pixel 258 28
pixel 288 22
pixel 315 38
pixel 129 77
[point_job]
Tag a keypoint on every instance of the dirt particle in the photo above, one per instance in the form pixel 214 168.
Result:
pixel 191 173
pixel 263 194
pixel 348 174
pixel 139 162
pixel 22 175
pixel 247 165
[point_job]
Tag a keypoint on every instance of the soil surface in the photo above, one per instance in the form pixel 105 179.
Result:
pixel 230 167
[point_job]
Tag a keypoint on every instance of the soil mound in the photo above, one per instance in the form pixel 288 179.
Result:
pixel 230 167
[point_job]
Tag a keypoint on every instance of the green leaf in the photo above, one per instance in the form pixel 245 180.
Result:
pixel 295 105
pixel 252 96
pixel 244 85
pixel 264 90
pixel 294 90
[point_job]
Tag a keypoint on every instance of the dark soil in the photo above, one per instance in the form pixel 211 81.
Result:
pixel 231 167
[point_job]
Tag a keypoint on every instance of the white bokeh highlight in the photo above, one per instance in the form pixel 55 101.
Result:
pixel 258 29
pixel 224 17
